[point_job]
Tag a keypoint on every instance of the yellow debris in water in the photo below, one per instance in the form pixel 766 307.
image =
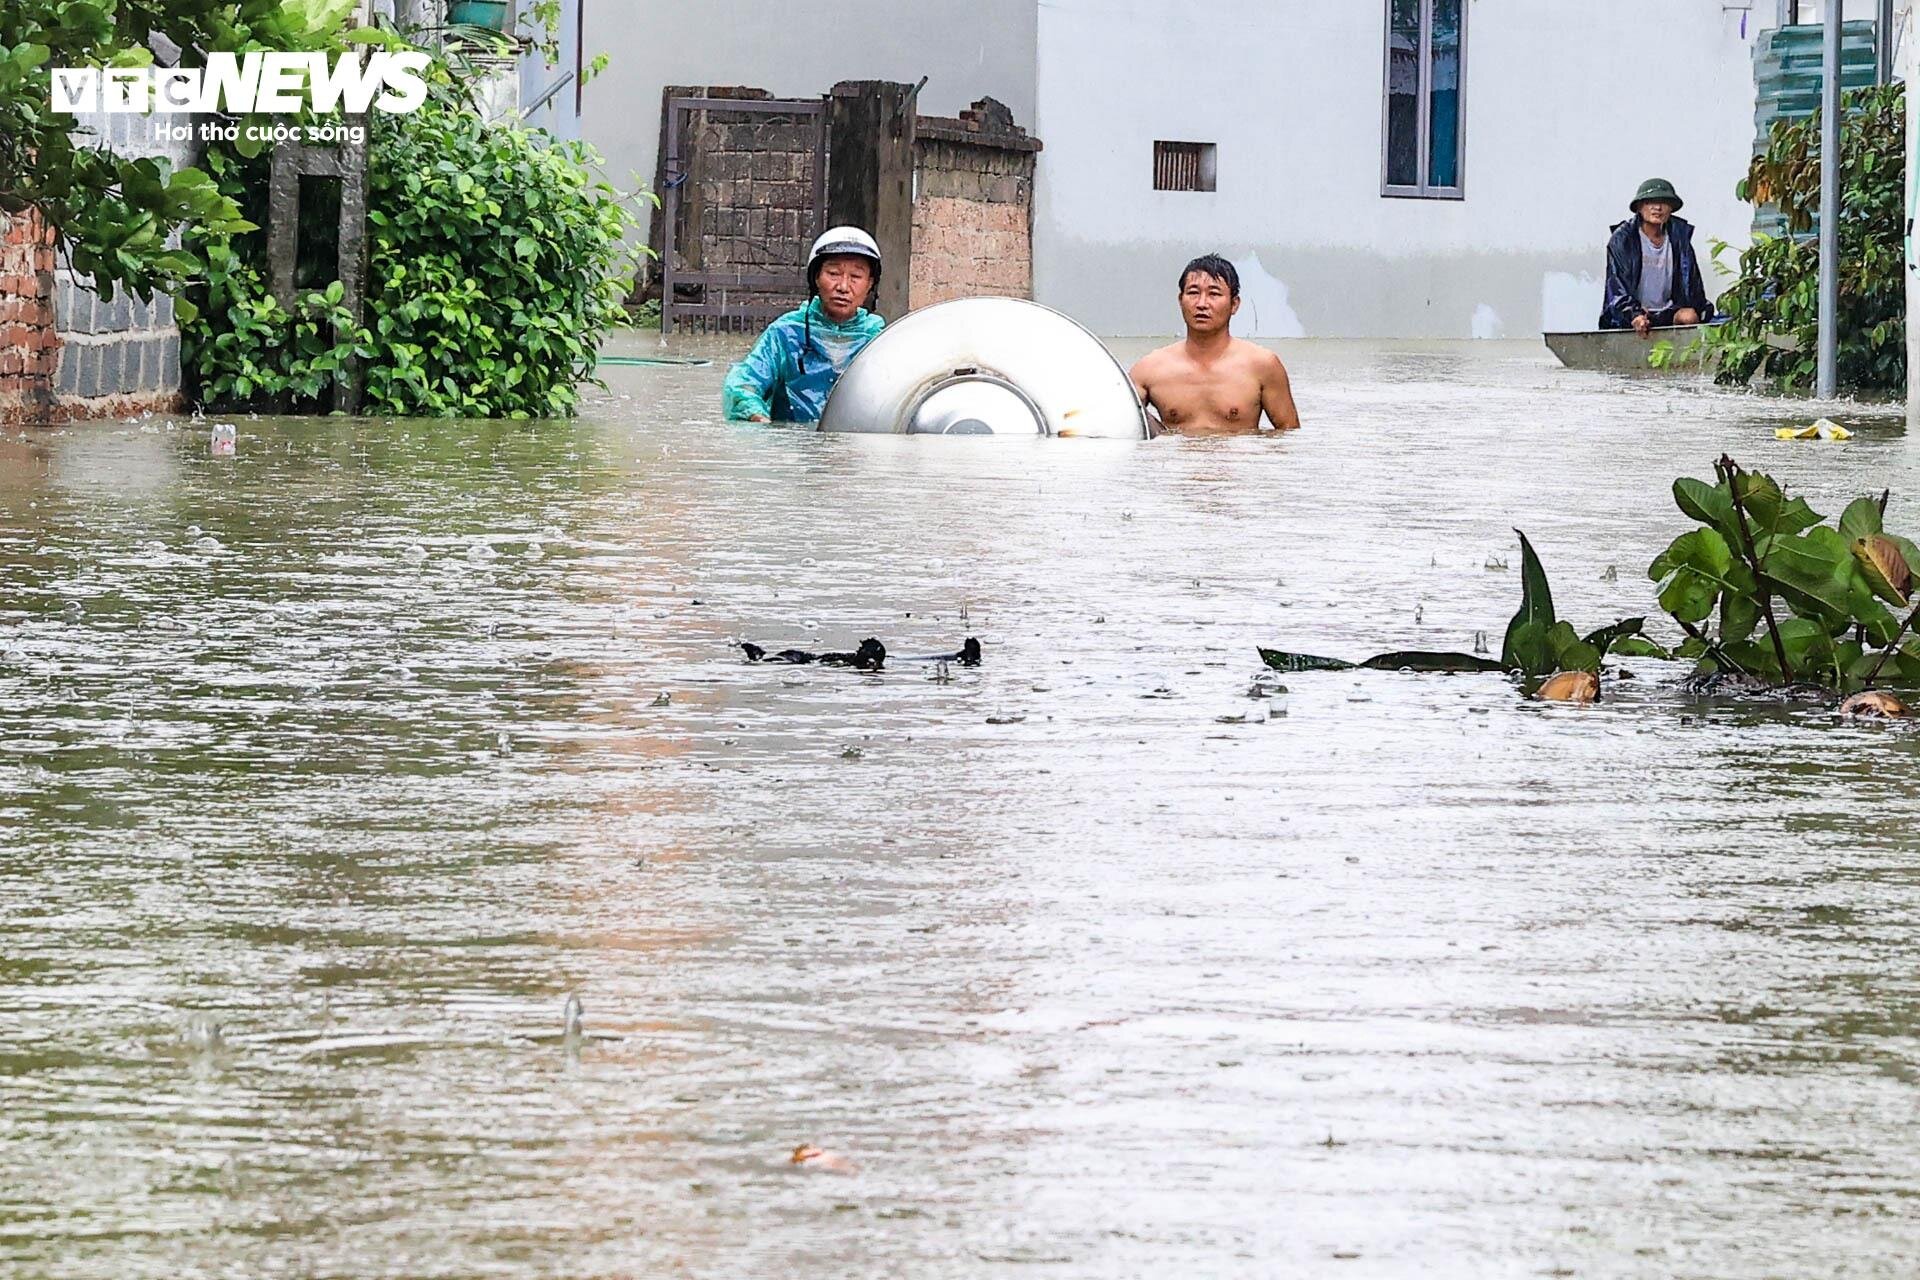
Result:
pixel 1872 704
pixel 1570 686
pixel 1824 429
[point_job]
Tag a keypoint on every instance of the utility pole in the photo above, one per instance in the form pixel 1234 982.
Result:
pixel 1829 206
pixel 1883 43
pixel 1910 72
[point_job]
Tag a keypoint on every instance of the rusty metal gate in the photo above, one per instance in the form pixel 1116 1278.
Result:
pixel 745 193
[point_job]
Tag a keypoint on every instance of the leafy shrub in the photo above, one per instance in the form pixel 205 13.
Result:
pixel 1764 588
pixel 1775 295
pixel 497 264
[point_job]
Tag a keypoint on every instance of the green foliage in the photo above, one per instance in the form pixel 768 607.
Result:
pixel 1537 642
pixel 1773 302
pixel 113 216
pixel 497 265
pixel 1764 588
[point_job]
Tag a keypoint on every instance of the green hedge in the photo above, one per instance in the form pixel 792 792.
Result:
pixel 497 265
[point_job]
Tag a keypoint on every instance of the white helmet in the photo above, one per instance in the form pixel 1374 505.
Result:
pixel 839 240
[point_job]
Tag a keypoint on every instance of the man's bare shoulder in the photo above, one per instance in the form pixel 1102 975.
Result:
pixel 1257 356
pixel 1159 358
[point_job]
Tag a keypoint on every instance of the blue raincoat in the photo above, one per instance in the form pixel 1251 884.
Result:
pixel 787 375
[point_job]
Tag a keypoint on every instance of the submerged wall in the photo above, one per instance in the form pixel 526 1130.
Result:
pixel 1568 106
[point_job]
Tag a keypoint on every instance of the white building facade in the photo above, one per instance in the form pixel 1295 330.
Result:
pixel 1557 109
pixel 1376 168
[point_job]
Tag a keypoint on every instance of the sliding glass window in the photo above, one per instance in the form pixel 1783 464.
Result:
pixel 1424 143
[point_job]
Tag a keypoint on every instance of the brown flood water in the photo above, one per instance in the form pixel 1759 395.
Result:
pixel 328 771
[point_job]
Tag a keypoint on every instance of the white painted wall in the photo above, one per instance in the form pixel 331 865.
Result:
pixel 1569 105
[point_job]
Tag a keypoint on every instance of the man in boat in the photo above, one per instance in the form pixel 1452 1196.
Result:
pixel 1653 278
pixel 795 363
pixel 1213 383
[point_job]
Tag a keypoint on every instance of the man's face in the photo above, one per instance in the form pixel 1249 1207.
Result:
pixel 1205 303
pixel 845 280
pixel 1655 212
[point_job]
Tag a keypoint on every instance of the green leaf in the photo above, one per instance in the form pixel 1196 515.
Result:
pixel 1638 647
pixel 1527 649
pixel 1739 615
pixel 1413 660
pixel 1816 566
pixel 1861 518
pixel 1612 634
pixel 1693 571
pixel 1536 605
pixel 1281 661
pixel 1707 503
pixel 1579 656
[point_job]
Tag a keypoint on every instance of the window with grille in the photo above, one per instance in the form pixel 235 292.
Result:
pixel 1183 166
pixel 1424 143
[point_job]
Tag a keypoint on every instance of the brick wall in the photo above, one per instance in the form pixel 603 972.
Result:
pixel 973 208
pixel 28 345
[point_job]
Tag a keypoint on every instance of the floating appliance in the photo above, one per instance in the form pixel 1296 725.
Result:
pixel 986 367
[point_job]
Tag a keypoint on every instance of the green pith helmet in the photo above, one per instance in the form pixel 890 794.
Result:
pixel 1656 189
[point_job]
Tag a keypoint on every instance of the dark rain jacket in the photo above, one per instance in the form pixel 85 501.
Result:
pixel 1623 274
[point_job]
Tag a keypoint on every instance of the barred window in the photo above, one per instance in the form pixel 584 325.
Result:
pixel 1183 166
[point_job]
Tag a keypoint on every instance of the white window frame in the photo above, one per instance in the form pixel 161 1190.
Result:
pixel 1423 190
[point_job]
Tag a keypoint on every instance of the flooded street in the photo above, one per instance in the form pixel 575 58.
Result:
pixel 329 770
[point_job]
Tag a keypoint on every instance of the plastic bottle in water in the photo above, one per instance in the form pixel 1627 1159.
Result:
pixel 225 435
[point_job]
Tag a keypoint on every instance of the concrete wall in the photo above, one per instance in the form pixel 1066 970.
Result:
pixel 966 48
pixel 120 356
pixel 1553 152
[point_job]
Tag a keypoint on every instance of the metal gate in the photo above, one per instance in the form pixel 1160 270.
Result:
pixel 745 195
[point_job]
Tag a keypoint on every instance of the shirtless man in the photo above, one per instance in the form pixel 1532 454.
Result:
pixel 1214 384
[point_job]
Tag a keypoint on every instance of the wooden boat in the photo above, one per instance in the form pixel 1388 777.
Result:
pixel 1624 351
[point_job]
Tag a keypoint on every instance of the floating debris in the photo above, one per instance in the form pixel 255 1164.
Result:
pixel 1610 574
pixel 481 553
pixel 808 1156
pixel 414 554
pixel 1496 564
pixel 1007 717
pixel 1480 642
pixel 1824 429
pixel 662 699
pixel 1570 686
pixel 1874 705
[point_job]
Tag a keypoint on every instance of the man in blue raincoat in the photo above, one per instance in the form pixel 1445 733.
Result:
pixel 787 375
pixel 1653 277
